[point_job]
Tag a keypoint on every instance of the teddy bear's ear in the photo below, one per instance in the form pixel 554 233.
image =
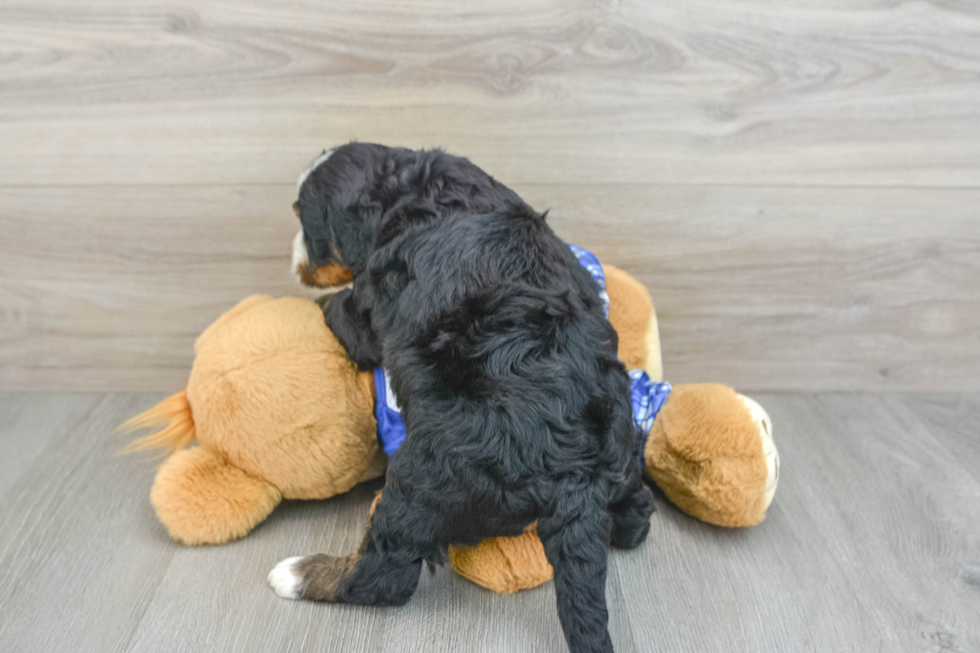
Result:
pixel 203 500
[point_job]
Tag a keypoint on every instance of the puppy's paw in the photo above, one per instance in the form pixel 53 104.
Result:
pixel 285 578
pixel 314 578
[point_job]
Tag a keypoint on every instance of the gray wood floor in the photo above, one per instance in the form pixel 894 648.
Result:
pixel 872 544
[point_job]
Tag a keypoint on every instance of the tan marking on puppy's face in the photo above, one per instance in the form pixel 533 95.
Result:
pixel 327 276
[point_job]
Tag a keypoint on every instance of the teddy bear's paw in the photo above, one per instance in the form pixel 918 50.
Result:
pixel 286 579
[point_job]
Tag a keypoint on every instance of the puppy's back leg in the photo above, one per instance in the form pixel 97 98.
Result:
pixel 384 570
pixel 576 542
pixel 631 512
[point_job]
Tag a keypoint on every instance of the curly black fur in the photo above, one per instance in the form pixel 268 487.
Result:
pixel 515 402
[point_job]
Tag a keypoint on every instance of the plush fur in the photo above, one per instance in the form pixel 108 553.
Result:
pixel 726 479
pixel 202 497
pixel 504 564
pixel 206 500
pixel 279 412
pixel 636 323
pixel 515 403
pixel 233 414
pixel 710 450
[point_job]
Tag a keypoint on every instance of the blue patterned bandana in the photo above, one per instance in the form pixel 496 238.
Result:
pixel 591 263
pixel 647 397
pixel 391 426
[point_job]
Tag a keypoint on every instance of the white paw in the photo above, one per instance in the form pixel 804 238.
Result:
pixel 284 578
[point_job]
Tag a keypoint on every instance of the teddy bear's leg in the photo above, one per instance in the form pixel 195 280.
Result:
pixel 203 500
pixel 504 564
pixel 769 451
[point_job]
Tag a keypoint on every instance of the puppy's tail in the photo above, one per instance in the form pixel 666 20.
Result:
pixel 174 414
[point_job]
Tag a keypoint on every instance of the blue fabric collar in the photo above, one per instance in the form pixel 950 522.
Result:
pixel 391 426
pixel 647 397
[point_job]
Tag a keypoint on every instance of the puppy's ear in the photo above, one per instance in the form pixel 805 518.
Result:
pixel 353 235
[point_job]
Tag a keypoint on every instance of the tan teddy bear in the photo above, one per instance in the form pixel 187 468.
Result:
pixel 280 412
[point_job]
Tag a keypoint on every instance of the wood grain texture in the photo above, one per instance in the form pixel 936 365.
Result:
pixel 868 501
pixel 763 288
pixel 774 288
pixel 43 417
pixel 81 552
pixel 954 420
pixel 871 545
pixel 542 91
pixel 797 185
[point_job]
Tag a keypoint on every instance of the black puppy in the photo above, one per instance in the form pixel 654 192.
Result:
pixel 515 403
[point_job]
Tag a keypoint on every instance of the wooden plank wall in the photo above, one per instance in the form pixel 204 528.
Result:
pixel 798 183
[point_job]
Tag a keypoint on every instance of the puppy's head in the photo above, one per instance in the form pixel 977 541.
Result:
pixel 336 210
pixel 325 270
